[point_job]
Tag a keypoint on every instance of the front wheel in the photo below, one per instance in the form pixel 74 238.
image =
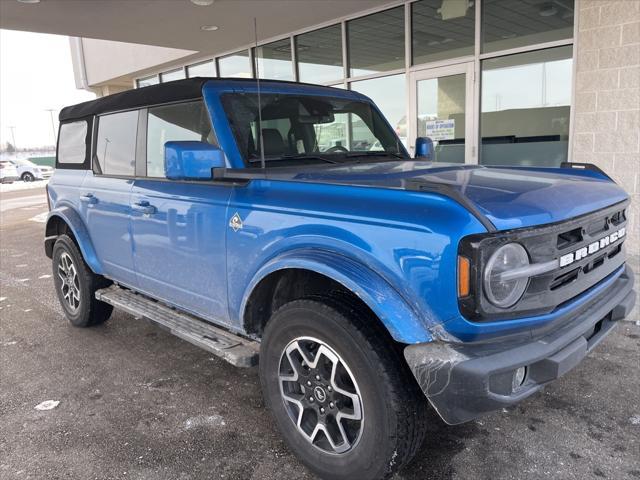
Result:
pixel 76 285
pixel 339 390
pixel 28 177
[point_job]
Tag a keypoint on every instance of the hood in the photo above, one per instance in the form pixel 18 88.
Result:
pixel 508 197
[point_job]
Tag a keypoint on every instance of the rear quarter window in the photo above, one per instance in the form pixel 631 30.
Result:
pixel 73 144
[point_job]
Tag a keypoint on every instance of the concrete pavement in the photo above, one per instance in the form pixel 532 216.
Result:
pixel 138 403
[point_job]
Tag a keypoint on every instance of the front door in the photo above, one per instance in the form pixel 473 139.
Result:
pixel 441 101
pixel 179 227
pixel 179 231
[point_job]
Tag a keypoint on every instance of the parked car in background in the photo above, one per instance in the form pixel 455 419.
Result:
pixel 364 282
pixel 8 172
pixel 29 171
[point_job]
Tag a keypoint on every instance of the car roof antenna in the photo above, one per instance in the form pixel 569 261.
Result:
pixel 257 72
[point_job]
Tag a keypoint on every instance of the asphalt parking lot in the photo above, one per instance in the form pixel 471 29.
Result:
pixel 137 403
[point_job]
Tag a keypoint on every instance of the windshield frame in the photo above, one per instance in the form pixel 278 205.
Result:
pixel 314 158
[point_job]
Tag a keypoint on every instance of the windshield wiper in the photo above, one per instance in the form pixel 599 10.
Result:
pixel 375 154
pixel 300 156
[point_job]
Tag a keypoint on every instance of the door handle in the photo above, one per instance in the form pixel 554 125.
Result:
pixel 88 198
pixel 144 207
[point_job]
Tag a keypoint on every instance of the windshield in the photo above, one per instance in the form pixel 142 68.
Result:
pixel 309 129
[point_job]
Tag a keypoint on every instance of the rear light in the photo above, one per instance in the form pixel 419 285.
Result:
pixel 464 277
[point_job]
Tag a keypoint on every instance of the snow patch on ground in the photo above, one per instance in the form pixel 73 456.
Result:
pixel 47 405
pixel 204 421
pixel 40 218
pixel 15 186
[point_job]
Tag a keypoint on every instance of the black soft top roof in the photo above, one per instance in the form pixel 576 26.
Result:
pixel 190 88
pixel 174 91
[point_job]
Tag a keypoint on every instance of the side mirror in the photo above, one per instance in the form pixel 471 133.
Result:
pixel 424 148
pixel 187 160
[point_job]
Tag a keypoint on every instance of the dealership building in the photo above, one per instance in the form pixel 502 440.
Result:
pixel 494 82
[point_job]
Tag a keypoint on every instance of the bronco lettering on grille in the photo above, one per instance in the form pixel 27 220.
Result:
pixel 592 248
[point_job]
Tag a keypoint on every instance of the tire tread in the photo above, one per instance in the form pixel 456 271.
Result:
pixel 407 400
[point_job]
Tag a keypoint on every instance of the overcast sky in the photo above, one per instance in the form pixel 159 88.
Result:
pixel 35 74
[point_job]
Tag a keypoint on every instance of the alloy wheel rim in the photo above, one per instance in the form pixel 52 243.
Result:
pixel 70 286
pixel 321 395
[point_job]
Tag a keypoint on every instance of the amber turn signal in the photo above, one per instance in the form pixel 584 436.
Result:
pixel 464 267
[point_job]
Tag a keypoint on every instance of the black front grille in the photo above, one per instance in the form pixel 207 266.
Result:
pixel 545 243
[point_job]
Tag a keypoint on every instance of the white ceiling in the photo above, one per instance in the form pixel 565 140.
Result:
pixel 176 23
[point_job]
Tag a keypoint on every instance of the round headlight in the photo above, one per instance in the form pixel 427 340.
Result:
pixel 505 293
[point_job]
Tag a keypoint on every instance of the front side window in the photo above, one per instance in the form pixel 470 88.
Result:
pixel 178 122
pixel 116 144
pixel 308 129
pixel 72 145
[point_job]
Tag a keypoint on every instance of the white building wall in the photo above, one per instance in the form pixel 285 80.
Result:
pixel 111 63
pixel 607 107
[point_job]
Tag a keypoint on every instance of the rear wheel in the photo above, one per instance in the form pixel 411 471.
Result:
pixel 76 285
pixel 339 390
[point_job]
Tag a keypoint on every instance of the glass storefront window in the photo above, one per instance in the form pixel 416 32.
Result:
pixel 376 42
pixel 235 65
pixel 442 115
pixel 177 74
pixel 274 60
pixel 204 69
pixel 390 95
pixel 525 107
pixel 517 23
pixel 442 30
pixel 319 55
pixel 145 82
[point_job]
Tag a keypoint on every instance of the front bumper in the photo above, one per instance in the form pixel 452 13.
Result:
pixel 464 381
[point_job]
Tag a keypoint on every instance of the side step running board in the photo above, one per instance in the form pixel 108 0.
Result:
pixel 236 350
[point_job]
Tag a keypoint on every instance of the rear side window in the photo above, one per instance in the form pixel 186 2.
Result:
pixel 115 152
pixel 178 122
pixel 72 143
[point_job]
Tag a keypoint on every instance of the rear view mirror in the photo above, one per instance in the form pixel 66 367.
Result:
pixel 316 119
pixel 424 148
pixel 188 160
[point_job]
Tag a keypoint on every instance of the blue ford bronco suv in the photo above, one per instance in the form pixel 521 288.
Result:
pixel 285 225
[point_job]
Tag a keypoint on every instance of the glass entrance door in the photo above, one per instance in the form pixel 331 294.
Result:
pixel 441 105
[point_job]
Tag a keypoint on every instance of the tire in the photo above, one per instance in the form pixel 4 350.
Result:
pixel 76 285
pixel 393 410
pixel 28 177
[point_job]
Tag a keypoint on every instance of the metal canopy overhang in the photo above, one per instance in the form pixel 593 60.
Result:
pixel 176 23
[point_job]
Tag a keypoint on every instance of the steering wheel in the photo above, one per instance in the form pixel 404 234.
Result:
pixel 336 148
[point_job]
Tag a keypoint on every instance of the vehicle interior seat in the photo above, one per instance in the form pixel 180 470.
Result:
pixel 273 142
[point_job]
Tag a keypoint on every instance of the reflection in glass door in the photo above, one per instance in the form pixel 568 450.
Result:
pixel 441 110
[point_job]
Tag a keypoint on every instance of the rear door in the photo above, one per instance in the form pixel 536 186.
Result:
pixel 179 226
pixel 105 194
